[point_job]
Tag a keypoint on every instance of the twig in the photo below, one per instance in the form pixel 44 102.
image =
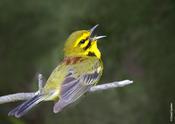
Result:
pixel 110 85
pixel 40 82
pixel 26 96
pixel 16 97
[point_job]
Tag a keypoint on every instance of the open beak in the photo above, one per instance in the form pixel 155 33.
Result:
pixel 98 37
pixel 94 38
pixel 93 29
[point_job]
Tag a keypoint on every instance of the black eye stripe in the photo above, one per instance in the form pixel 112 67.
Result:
pixel 83 41
pixel 87 46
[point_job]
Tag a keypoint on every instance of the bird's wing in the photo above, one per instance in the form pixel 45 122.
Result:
pixel 74 87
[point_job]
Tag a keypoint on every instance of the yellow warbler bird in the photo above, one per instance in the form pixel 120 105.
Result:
pixel 80 69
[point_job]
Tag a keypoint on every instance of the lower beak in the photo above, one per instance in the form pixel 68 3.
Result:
pixel 97 38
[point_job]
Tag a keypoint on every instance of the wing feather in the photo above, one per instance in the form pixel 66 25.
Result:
pixel 72 89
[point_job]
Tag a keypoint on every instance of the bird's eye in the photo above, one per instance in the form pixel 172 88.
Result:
pixel 82 41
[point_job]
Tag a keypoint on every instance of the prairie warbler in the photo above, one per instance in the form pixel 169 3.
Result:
pixel 80 69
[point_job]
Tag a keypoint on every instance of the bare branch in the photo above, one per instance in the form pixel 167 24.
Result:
pixel 110 85
pixel 26 96
pixel 40 82
pixel 16 97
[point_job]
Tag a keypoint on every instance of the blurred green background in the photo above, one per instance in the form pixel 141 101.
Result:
pixel 140 46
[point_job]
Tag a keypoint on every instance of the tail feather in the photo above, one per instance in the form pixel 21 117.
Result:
pixel 26 106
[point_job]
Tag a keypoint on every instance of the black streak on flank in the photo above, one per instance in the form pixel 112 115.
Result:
pixel 88 45
pixel 91 54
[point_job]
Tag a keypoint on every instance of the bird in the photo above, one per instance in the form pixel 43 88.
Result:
pixel 80 69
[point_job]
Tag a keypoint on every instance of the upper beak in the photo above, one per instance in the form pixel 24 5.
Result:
pixel 95 37
pixel 93 29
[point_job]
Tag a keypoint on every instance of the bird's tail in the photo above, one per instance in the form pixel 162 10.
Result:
pixel 26 106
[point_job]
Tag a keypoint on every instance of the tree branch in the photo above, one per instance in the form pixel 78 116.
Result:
pixel 16 97
pixel 25 96
pixel 107 86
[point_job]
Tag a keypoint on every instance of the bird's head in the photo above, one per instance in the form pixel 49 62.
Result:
pixel 82 43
